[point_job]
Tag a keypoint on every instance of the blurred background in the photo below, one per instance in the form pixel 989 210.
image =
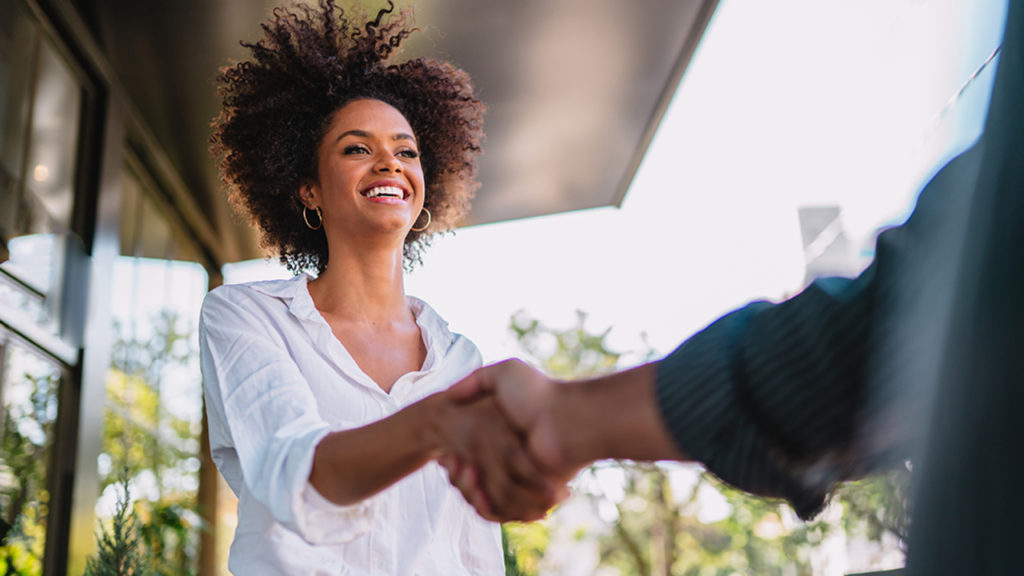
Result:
pixel 649 166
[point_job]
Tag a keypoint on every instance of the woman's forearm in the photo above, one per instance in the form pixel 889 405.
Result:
pixel 351 465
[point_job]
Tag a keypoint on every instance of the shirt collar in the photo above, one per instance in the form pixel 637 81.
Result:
pixel 294 292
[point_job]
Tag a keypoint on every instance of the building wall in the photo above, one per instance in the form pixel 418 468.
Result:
pixel 101 278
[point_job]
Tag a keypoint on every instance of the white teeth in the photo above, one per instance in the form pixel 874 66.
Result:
pixel 385 192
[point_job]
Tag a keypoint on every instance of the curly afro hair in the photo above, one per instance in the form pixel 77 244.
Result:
pixel 278 105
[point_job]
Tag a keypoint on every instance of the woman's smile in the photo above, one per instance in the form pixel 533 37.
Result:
pixel 387 192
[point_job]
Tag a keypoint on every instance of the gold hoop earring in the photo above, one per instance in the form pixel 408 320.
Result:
pixel 425 226
pixel 319 214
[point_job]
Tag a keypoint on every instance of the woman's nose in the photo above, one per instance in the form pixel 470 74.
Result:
pixel 388 163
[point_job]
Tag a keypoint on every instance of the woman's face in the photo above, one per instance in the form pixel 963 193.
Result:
pixel 370 181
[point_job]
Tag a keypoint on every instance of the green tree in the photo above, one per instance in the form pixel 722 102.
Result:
pixel 569 354
pixel 119 549
pixel 142 437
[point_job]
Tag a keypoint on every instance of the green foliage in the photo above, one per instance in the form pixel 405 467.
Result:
pixel 119 548
pixel 26 435
pixel 567 354
pixel 524 545
pixel 658 532
pixel 171 534
pixel 758 536
pixel 878 505
pixel 140 436
pixel 143 438
pixel 22 551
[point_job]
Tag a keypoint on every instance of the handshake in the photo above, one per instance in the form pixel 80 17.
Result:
pixel 514 437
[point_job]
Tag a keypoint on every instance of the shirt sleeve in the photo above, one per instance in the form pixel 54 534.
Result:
pixel 261 408
pixel 787 399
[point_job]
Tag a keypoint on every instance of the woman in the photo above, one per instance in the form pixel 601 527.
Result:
pixel 324 395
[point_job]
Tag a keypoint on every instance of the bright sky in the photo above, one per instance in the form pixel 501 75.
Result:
pixel 786 104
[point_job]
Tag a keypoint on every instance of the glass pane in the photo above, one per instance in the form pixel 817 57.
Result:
pixel 131 218
pixel 40 109
pixel 15 295
pixel 34 259
pixel 28 398
pixel 54 138
pixel 18 44
pixel 153 419
pixel 31 281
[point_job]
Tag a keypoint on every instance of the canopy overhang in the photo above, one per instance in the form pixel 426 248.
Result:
pixel 575 90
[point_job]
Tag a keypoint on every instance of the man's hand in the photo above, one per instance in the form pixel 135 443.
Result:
pixel 526 398
pixel 488 463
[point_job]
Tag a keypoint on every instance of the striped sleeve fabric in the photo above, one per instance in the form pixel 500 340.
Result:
pixel 762 395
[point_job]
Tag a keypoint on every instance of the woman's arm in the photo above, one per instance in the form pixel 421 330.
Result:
pixel 351 465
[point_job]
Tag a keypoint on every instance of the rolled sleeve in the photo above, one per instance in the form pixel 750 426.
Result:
pixel 328 523
pixel 259 401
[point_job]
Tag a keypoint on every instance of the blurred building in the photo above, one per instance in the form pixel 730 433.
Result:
pixel 827 249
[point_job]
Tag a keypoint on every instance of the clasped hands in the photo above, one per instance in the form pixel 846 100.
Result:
pixel 504 452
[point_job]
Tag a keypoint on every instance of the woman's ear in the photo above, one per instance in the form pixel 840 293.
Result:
pixel 307 195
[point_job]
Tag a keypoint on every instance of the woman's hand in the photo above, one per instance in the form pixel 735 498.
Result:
pixel 487 461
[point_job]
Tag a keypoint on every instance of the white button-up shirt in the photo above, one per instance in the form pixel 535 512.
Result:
pixel 276 381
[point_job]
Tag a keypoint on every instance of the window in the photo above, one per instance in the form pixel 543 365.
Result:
pixel 41 103
pixel 153 418
pixel 40 116
pixel 29 385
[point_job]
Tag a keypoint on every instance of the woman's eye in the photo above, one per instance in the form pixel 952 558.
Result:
pixel 409 154
pixel 356 149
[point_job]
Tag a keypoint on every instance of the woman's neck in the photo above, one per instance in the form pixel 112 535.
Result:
pixel 362 285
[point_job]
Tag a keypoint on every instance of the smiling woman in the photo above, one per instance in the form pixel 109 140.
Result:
pixel 326 396
pixel 280 105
